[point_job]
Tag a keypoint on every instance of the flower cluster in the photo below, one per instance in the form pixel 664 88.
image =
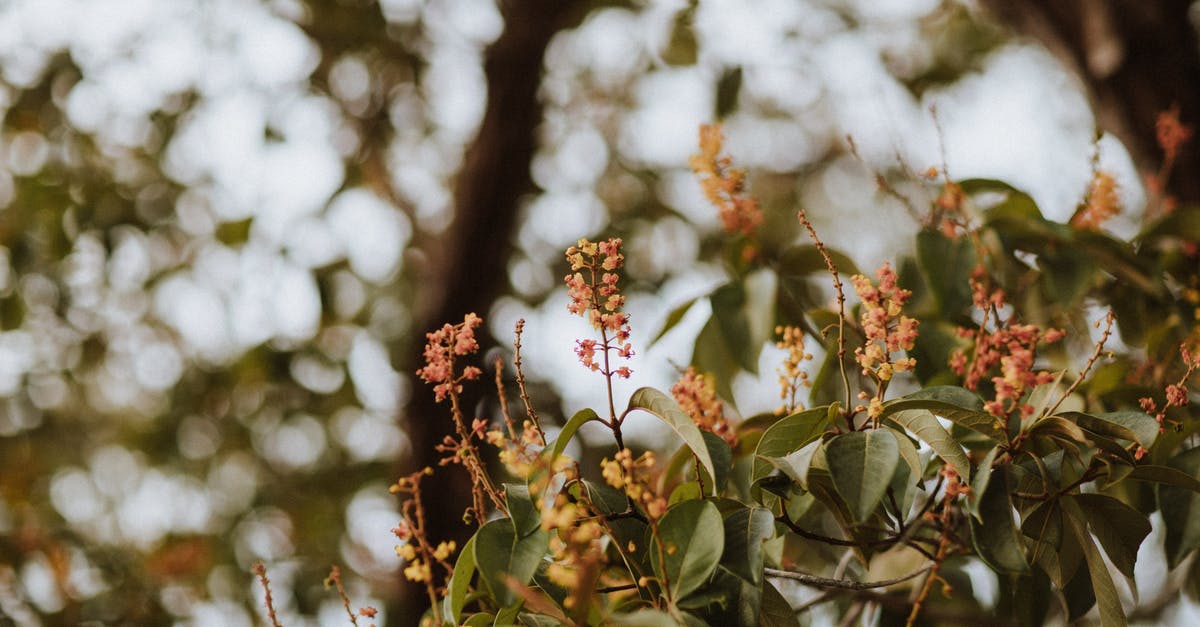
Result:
pixel 725 186
pixel 592 287
pixel 441 347
pixel 1102 203
pixel 416 549
pixel 886 328
pixel 791 378
pixel 631 476
pixel 1176 393
pixel 1005 344
pixel 575 548
pixel 696 394
pixel 519 452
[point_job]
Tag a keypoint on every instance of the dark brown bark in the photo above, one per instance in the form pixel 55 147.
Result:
pixel 467 267
pixel 1137 59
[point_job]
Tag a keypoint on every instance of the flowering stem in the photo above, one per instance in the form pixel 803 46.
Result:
pixel 1088 366
pixel 841 303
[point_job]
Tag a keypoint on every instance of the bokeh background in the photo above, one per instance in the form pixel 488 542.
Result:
pixel 225 226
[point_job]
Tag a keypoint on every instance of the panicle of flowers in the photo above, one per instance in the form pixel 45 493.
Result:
pixel 724 186
pixel 1176 393
pixel 1005 345
pixel 632 476
pixel 696 394
pixel 887 330
pixel 441 347
pixel 1102 203
pixel 593 288
pixel 416 549
pixel 575 548
pixel 791 378
pixel 519 452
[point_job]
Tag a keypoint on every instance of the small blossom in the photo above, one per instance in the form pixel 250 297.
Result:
pixel 697 395
pixel 441 348
pixel 725 186
pixel 791 378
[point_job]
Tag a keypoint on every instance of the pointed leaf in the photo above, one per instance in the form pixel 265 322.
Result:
pixel 745 531
pixel 923 424
pixel 1119 528
pixel 861 464
pixel 525 516
pixel 1181 510
pixel 1134 426
pixel 1166 475
pixel 994 533
pixel 673 319
pixel 693 538
pixel 1111 613
pixel 460 581
pixel 979 482
pixel 568 431
pixel 788 436
pixel 975 420
pixel 775 610
pixel 500 554
pixel 654 402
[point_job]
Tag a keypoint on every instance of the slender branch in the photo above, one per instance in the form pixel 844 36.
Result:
pixel 529 410
pixel 261 571
pixel 842 584
pixel 508 421
pixel 1108 322
pixel 841 303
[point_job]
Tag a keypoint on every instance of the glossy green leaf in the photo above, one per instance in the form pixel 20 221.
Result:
pixel 788 436
pixel 482 619
pixel 1166 475
pixel 666 409
pixel 722 459
pixel 745 531
pixel 1134 426
pixel 568 431
pixel 923 424
pixel 1111 613
pixel 1058 427
pixel 1119 528
pixel 861 464
pixel 460 582
pixel 994 533
pixel 693 538
pixel 1180 509
pixel 525 517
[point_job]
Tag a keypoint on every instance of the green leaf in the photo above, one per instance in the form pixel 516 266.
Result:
pixel 499 554
pixel 1180 509
pixel 775 610
pixel 861 464
pixel 482 619
pixel 1166 475
pixel 1134 426
pixel 525 516
pixel 744 312
pixel 460 581
pixel 693 538
pixel 796 464
pixel 910 455
pixel 728 87
pixel 722 459
pixel 673 319
pixel 1119 528
pixel 1057 427
pixel 973 419
pixel 507 617
pixel 711 354
pixel 994 533
pixel 788 436
pixel 1111 613
pixel 745 531
pixel 568 431
pixel 666 409
pixel 946 265
pixel 923 424
pixel 979 482
pixel 645 618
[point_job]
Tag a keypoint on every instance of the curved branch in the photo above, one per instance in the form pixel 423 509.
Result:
pixel 842 584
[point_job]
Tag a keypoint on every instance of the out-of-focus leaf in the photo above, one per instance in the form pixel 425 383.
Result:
pixel 861 464
pixel 655 402
pixel 728 88
pixel 500 553
pixel 946 264
pixel 1134 426
pixel 712 355
pixel 776 611
pixel 568 431
pixel 673 318
pixel 460 581
pixel 693 538
pixel 1180 509
pixel 979 482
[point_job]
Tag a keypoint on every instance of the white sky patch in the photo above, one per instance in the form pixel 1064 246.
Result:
pixel 671 104
pixel 376 383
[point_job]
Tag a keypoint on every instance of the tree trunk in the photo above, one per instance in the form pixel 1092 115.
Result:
pixel 1137 59
pixel 468 267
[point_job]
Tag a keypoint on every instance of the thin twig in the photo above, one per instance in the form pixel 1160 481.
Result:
pixel 508 421
pixel 261 571
pixel 1108 322
pixel 841 302
pixel 529 410
pixel 842 584
pixel 335 576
